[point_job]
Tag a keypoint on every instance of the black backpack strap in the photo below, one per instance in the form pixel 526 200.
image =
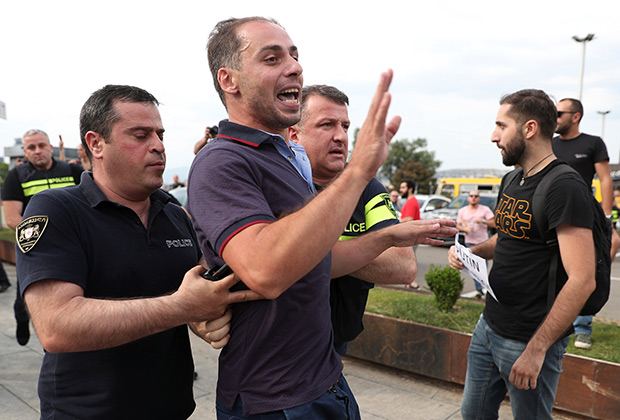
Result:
pixel 542 224
pixel 507 180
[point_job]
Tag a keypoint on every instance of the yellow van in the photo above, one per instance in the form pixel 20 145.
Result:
pixel 596 190
pixel 452 187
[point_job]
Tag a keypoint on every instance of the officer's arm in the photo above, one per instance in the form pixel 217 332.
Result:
pixel 272 257
pixel 393 266
pixel 13 212
pixel 350 256
pixel 578 257
pixel 607 185
pixel 67 321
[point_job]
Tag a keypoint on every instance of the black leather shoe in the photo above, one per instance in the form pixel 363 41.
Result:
pixel 23 333
pixel 4 286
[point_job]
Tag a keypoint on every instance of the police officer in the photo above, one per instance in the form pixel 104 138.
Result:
pixel 40 172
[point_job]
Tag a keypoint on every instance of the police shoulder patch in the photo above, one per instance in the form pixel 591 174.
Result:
pixel 29 231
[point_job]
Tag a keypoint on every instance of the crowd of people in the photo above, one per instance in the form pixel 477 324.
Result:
pixel 112 273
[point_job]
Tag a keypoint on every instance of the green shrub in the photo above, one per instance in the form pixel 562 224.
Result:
pixel 446 284
pixel 7 234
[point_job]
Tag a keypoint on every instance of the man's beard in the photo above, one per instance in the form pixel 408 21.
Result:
pixel 514 151
pixel 562 129
pixel 405 194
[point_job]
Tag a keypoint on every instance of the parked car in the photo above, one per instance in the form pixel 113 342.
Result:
pixel 452 209
pixel 431 202
pixel 180 193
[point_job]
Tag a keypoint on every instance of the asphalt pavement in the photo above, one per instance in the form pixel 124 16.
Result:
pixel 382 393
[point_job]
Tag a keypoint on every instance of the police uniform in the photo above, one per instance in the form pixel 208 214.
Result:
pixel 77 235
pixel 24 181
pixel 20 184
pixel 348 295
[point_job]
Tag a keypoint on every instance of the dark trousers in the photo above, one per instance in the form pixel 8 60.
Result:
pixel 338 403
pixel 19 308
pixel 4 279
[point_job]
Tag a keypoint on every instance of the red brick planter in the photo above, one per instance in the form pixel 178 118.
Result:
pixel 588 387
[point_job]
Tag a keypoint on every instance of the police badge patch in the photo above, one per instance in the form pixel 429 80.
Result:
pixel 29 231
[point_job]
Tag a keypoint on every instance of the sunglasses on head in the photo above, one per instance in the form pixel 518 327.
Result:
pixel 560 113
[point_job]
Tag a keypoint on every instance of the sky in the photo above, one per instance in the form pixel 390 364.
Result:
pixel 452 62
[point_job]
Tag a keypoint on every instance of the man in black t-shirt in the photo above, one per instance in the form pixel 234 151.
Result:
pixel 518 344
pixel 587 155
pixel 40 172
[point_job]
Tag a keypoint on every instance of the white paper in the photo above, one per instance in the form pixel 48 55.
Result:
pixel 474 265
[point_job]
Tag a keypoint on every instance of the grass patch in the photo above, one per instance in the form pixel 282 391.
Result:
pixel 605 342
pixel 421 308
pixel 7 234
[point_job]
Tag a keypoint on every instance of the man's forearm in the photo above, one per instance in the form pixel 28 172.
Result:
pixel 577 254
pixel 84 324
pixel 393 266
pixel 607 187
pixel 271 257
pixel 485 249
pixel 607 194
pixel 350 256
pixel 354 254
pixel 12 213
pixel 565 309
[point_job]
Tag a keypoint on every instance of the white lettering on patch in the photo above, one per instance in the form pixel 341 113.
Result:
pixel 179 243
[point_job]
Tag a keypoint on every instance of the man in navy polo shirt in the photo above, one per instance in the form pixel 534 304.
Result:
pixel 109 272
pixel 249 194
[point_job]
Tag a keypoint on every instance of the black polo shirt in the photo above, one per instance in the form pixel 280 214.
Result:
pixel 103 247
pixel 348 295
pixel 24 181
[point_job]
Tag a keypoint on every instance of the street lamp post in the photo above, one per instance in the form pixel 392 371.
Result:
pixel 603 113
pixel 583 41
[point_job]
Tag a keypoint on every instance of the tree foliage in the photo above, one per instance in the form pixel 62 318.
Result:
pixel 4 168
pixel 408 159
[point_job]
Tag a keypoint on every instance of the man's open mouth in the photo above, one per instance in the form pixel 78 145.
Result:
pixel 290 96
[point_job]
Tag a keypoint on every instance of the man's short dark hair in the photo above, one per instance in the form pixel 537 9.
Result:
pixel 533 104
pixel 99 114
pixel 410 184
pixel 224 47
pixel 329 92
pixel 575 106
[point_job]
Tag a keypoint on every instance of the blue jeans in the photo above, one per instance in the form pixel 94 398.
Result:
pixel 489 361
pixel 337 403
pixel 583 324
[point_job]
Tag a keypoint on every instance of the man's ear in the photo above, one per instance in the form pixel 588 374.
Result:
pixel 530 128
pixel 293 134
pixel 94 141
pixel 227 78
